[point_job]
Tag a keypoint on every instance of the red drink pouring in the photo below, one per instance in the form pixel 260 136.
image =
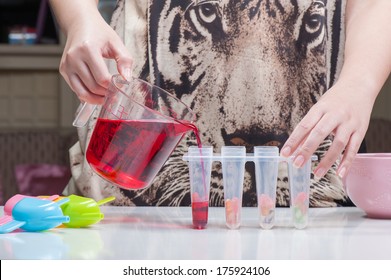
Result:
pixel 138 128
pixel 129 154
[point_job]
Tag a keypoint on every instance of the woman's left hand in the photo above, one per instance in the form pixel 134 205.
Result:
pixel 344 112
pixel 345 109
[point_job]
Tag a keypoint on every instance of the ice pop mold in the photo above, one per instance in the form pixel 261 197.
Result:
pixel 233 159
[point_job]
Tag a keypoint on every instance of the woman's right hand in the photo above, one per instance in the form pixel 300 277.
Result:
pixel 89 42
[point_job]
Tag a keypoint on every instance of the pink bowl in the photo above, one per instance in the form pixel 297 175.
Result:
pixel 368 184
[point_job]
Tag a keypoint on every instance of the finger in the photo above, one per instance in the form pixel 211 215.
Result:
pixel 123 59
pixel 83 72
pixel 317 135
pixel 350 153
pixel 300 132
pixel 82 91
pixel 66 78
pixel 98 68
pixel 341 139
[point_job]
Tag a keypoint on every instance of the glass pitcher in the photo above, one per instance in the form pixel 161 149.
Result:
pixel 138 128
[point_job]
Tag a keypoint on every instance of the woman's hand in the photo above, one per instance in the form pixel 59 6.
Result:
pixel 83 63
pixel 345 109
pixel 344 112
pixel 90 40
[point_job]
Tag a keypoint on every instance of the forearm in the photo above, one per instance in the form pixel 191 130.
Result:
pixel 368 45
pixel 72 13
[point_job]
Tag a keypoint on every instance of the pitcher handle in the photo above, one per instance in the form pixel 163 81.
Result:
pixel 84 114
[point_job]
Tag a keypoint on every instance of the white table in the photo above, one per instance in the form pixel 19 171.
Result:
pixel 165 233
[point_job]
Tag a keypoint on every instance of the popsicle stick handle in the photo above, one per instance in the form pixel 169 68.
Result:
pixel 58 219
pixel 5 219
pixel 62 201
pixel 7 224
pixel 105 200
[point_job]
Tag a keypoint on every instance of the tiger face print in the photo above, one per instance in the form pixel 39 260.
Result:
pixel 248 87
pixel 249 69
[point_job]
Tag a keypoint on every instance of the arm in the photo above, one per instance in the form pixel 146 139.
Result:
pixel 345 109
pixel 90 40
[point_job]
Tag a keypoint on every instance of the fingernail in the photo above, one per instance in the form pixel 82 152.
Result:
pixel 299 160
pixel 127 73
pixel 286 151
pixel 342 172
pixel 320 173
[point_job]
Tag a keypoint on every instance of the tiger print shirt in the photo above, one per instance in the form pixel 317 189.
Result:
pixel 250 70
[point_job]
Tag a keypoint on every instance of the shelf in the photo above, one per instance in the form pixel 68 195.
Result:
pixel 30 49
pixel 30 57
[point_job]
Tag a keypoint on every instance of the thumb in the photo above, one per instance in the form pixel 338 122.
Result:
pixel 123 60
pixel 125 68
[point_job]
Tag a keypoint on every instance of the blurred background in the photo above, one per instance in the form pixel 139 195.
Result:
pixel 37 107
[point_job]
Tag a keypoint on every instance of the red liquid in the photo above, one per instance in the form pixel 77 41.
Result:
pixel 200 214
pixel 200 209
pixel 129 153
